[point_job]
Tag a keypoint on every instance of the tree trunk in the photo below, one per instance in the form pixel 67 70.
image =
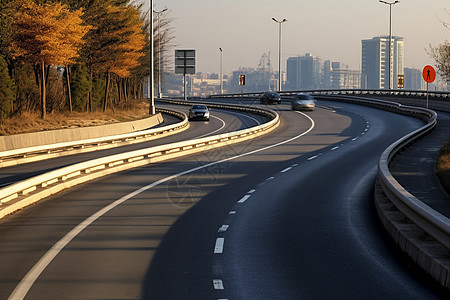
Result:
pixel 69 93
pixel 108 77
pixel 89 102
pixel 43 92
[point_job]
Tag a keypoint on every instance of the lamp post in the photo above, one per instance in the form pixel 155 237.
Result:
pixel 151 78
pixel 390 39
pixel 158 13
pixel 221 71
pixel 279 51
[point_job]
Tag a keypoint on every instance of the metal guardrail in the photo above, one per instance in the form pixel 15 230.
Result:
pixel 31 154
pixel 357 92
pixel 21 194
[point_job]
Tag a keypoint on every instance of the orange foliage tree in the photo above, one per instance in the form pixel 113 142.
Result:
pixel 48 34
pixel 116 43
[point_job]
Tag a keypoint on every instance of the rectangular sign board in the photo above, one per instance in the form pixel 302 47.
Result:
pixel 184 61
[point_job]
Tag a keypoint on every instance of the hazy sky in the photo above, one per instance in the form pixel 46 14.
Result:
pixel 329 29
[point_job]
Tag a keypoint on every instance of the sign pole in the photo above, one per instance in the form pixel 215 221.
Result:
pixel 429 75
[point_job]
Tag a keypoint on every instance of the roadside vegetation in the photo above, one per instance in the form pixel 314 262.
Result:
pixel 443 166
pixel 75 57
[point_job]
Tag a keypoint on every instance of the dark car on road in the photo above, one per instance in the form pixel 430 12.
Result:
pixel 270 98
pixel 199 112
pixel 303 102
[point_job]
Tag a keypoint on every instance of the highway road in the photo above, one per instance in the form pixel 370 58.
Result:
pixel 286 216
pixel 221 121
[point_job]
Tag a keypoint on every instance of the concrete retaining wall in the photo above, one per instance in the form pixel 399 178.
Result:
pixel 18 141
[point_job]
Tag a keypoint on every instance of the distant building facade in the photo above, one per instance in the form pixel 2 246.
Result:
pixel 413 79
pixel 303 72
pixel 375 62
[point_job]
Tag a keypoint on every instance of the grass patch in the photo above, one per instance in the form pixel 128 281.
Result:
pixel 28 122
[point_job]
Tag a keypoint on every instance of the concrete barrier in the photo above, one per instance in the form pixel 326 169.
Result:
pixel 17 141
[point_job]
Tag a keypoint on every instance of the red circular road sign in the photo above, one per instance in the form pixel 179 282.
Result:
pixel 429 74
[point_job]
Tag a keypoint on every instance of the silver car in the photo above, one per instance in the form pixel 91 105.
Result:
pixel 303 102
pixel 199 112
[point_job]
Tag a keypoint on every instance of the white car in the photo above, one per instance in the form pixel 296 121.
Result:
pixel 303 102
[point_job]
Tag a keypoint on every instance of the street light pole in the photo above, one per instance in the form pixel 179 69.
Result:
pixel 151 87
pixel 279 51
pixel 221 71
pixel 390 39
pixel 158 13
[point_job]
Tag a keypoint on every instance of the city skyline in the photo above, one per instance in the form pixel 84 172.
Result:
pixel 329 29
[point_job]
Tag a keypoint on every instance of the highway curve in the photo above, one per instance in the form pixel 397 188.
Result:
pixel 286 216
pixel 221 121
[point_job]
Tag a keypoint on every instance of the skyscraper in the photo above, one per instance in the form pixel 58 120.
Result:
pixel 375 62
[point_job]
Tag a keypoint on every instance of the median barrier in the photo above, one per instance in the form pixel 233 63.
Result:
pixel 24 193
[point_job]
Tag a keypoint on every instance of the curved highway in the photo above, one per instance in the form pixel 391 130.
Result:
pixel 221 121
pixel 286 216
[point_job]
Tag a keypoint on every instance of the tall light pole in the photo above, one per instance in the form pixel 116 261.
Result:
pixel 279 51
pixel 158 13
pixel 390 39
pixel 151 80
pixel 221 71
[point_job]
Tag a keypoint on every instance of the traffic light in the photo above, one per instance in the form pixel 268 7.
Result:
pixel 241 79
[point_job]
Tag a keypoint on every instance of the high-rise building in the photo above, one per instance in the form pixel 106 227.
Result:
pixel 375 62
pixel 303 72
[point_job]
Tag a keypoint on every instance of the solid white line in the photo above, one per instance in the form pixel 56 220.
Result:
pixel 209 133
pixel 218 249
pixel 243 199
pixel 218 284
pixel 27 282
pixel 223 228
pixel 257 122
pixel 287 169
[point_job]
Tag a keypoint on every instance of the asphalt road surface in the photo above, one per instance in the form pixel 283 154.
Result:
pixel 286 216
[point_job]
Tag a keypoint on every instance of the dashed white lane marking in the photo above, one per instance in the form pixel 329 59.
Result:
pixel 294 165
pixel 285 170
pixel 354 139
pixel 270 178
pixel 334 148
pixel 223 228
pixel 218 249
pixel 251 191
pixel 233 212
pixel 313 157
pixel 243 199
pixel 218 284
